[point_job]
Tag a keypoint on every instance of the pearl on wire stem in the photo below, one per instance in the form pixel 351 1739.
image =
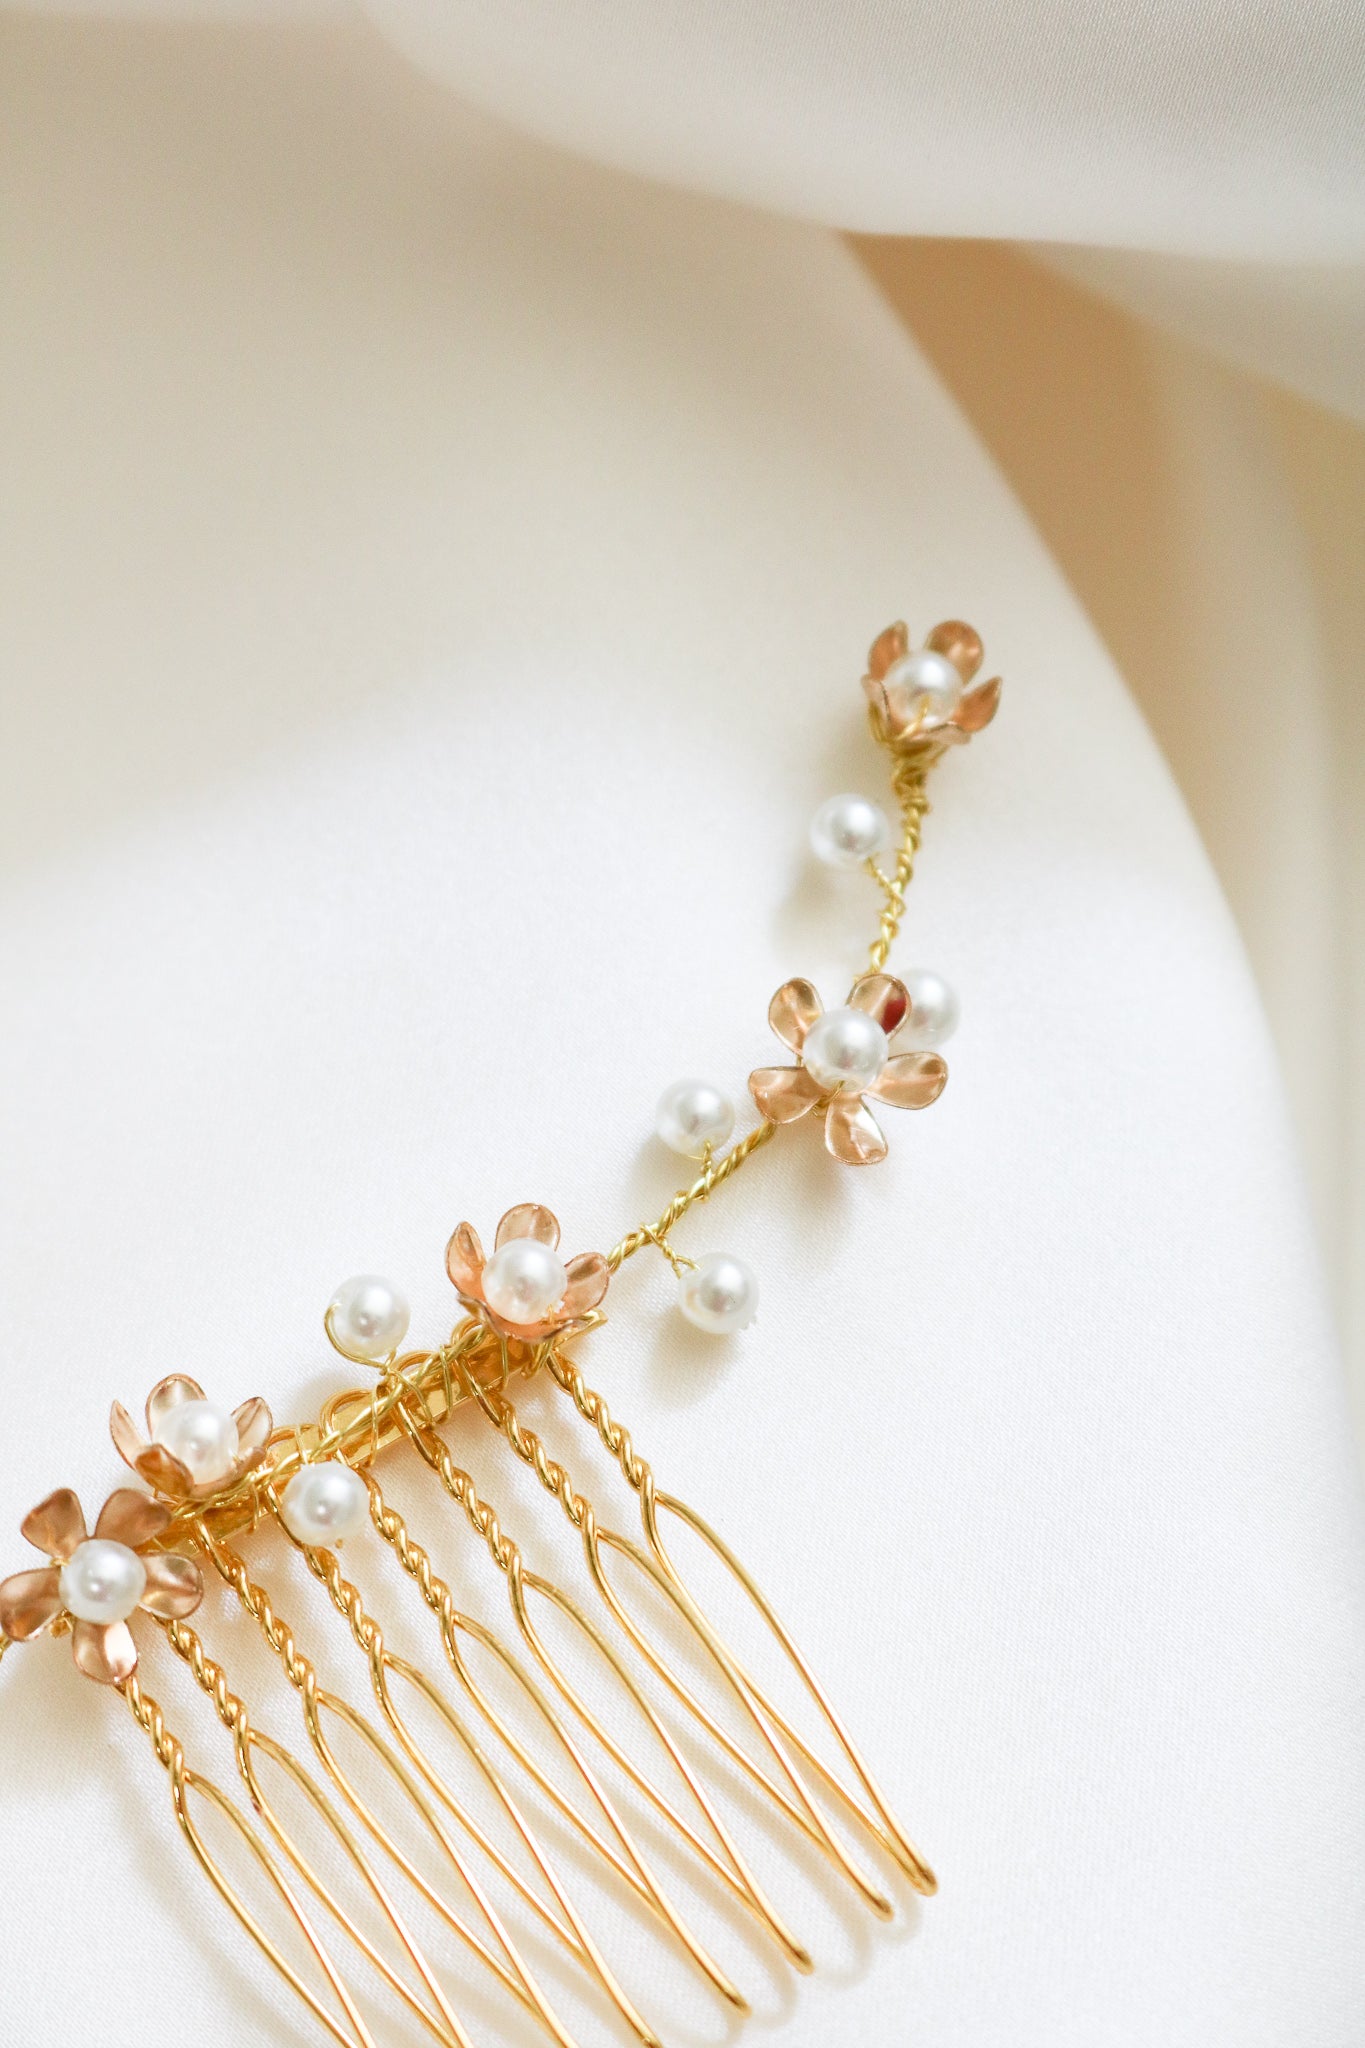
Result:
pixel 719 1294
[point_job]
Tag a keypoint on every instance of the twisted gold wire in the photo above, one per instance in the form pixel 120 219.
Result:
pixel 556 1480
pixel 301 1673
pixel 476 1366
pixel 368 1636
pixel 169 1752
pixel 731 1867
pixel 439 1599
pixel 908 781
pixel 593 1409
pixel 447 2029
pixel 712 1176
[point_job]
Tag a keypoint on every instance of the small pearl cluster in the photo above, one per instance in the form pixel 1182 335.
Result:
pixel 845 1050
pixel 719 1293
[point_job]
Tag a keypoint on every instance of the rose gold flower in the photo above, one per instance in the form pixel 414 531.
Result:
pixel 195 1450
pixel 845 1055
pixel 524 1291
pixel 107 1576
pixel 918 706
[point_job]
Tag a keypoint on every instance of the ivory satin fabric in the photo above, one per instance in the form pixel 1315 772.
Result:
pixel 435 580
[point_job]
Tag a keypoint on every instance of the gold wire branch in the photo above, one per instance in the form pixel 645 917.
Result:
pixel 908 781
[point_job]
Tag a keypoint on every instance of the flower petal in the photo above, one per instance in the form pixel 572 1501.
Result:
pixel 961 643
pixel 588 1274
pixel 979 706
pixel 29 1601
pixel 168 1394
pixel 464 1260
pixel 56 1525
pixel 884 998
pixel 528 1219
pixel 852 1133
pixel 783 1093
pixel 911 1080
pixel 891 717
pixel 254 1424
pixel 175 1585
pixel 104 1650
pixel 124 1431
pixel 163 1472
pixel 792 1011
pixel 890 645
pixel 881 708
pixel 131 1517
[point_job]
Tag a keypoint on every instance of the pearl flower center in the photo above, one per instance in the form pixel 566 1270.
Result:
pixel 202 1438
pixel 925 684
pixel 102 1581
pixel 524 1281
pixel 845 1049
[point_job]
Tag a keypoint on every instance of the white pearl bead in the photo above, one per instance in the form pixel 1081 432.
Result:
pixel 719 1294
pixel 934 1009
pixel 845 1049
pixel 325 1504
pixel 368 1317
pixel 102 1581
pixel 202 1438
pixel 692 1115
pixel 524 1281
pixel 847 830
pixel 926 682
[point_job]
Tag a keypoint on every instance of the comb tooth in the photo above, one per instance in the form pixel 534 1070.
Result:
pixel 575 1937
pixel 184 1781
pixel 507 1967
pixel 797 1803
pixel 729 1867
pixel 439 1599
pixel 249 1741
pixel 369 1637
pixel 879 1822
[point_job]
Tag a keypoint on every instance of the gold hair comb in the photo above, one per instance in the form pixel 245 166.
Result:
pixel 561 1788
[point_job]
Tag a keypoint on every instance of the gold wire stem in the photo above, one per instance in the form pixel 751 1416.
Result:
pixel 355 1427
pixel 439 1599
pixel 171 1756
pixel 712 1176
pixel 908 781
pixel 730 1867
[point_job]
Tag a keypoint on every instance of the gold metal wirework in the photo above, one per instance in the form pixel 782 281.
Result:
pixel 414 1395
pixel 729 1865
pixel 368 1636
